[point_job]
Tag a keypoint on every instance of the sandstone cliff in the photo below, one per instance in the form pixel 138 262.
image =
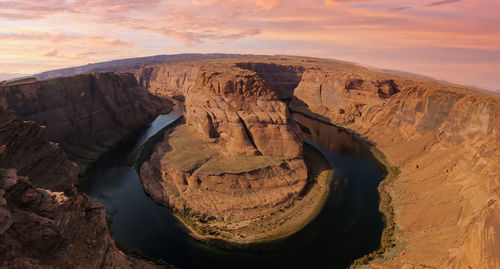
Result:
pixel 42 161
pixel 237 157
pixel 41 227
pixel 238 151
pixel 282 78
pixel 167 80
pixel 85 114
pixel 445 139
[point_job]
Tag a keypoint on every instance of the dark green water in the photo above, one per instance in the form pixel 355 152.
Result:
pixel 348 227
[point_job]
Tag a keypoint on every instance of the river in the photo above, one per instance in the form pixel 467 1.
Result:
pixel 348 227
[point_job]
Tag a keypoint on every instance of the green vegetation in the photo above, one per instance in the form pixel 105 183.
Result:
pixel 385 206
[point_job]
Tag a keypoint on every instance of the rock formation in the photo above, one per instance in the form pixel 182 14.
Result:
pixel 42 161
pixel 167 80
pixel 237 157
pixel 85 114
pixel 445 139
pixel 282 78
pixel 40 226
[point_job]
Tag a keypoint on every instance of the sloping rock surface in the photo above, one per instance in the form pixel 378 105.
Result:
pixel 40 226
pixel 238 156
pixel 446 141
pixel 85 114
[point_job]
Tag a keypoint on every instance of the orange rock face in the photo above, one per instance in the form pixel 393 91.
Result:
pixel 85 114
pixel 41 226
pixel 46 163
pixel 238 155
pixel 445 140
pixel 246 155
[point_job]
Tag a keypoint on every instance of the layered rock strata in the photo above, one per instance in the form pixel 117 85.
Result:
pixel 41 226
pixel 85 114
pixel 42 161
pixel 282 78
pixel 239 155
pixel 445 139
pixel 167 80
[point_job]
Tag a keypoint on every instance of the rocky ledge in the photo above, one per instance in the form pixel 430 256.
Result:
pixel 442 137
pixel 238 158
pixel 445 141
pixel 44 221
pixel 86 114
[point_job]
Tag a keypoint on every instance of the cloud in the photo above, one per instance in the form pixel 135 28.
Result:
pixel 64 38
pixel 438 3
pixel 267 4
pixel 79 31
pixel 52 53
pixel 334 2
pixel 444 2
pixel 395 9
pixel 31 9
pixel 7 75
pixel 195 38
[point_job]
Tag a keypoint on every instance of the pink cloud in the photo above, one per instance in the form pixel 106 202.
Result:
pixel 62 37
pixel 444 2
pixel 394 9
pixel 99 29
pixel 51 53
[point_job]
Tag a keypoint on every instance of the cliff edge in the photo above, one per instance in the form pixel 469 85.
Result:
pixel 85 114
pixel 40 225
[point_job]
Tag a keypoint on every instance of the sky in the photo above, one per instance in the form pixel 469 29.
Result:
pixel 454 40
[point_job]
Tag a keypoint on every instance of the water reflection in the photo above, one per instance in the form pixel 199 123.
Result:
pixel 330 138
pixel 348 227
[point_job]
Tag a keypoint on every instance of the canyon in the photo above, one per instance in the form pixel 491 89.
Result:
pixel 86 114
pixel 44 221
pixel 238 155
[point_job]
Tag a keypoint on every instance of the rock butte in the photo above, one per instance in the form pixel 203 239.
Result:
pixel 238 156
pixel 444 139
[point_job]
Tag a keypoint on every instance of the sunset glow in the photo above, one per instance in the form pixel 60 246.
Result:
pixel 452 39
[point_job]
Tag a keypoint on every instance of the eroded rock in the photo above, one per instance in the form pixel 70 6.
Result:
pixel 445 140
pixel 41 226
pixel 239 155
pixel 85 114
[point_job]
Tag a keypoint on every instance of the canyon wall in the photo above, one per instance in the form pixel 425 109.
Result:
pixel 85 114
pixel 445 139
pixel 239 155
pixel 167 80
pixel 41 226
pixel 283 79
pixel 42 161
pixel 176 79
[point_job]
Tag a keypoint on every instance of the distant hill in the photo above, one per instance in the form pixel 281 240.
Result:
pixel 124 65
pixel 104 66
